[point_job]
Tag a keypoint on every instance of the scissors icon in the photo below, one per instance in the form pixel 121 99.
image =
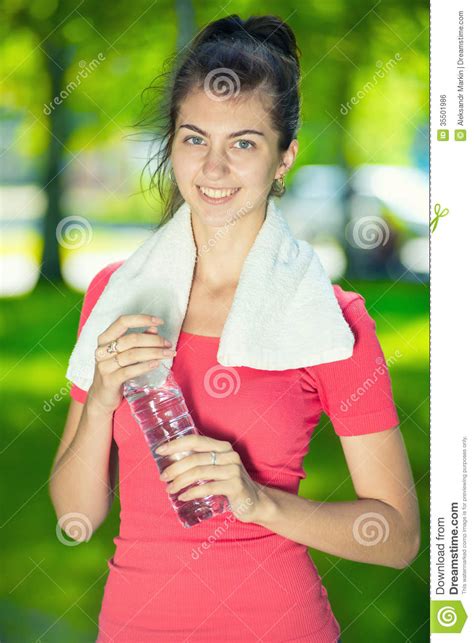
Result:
pixel 439 213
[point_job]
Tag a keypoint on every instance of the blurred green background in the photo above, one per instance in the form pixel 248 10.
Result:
pixel 72 202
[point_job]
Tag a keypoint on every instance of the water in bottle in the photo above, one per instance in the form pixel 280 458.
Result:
pixel 158 406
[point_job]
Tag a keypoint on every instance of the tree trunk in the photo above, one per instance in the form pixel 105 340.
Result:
pixel 186 22
pixel 56 61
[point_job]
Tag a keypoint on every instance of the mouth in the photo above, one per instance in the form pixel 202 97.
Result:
pixel 216 197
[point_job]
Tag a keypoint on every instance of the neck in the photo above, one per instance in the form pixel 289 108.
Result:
pixel 221 251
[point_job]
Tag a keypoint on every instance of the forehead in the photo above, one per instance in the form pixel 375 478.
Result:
pixel 222 116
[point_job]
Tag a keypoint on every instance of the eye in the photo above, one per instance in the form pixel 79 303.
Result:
pixel 243 140
pixel 249 144
pixel 189 138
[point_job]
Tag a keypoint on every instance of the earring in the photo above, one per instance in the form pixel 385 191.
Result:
pixel 279 184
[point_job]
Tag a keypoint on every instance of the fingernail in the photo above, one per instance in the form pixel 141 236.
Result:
pixel 169 353
pixel 168 343
pixel 162 448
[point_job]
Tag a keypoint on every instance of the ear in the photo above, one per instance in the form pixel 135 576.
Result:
pixel 287 159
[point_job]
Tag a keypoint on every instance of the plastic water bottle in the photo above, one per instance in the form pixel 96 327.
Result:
pixel 158 406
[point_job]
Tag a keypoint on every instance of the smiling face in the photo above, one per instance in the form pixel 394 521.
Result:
pixel 225 156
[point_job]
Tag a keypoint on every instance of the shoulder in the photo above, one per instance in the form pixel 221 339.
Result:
pixel 366 350
pixel 354 310
pixel 95 288
pixel 93 292
pixel 105 273
pixel 346 297
pixel 100 280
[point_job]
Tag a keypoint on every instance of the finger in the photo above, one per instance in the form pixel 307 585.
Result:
pixel 132 340
pixel 172 471
pixel 124 322
pixel 103 355
pixel 141 339
pixel 195 443
pixel 204 472
pixel 112 364
pixel 126 373
pixel 221 487
pixel 136 356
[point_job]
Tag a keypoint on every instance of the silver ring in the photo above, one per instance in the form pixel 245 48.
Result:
pixel 112 347
pixel 213 457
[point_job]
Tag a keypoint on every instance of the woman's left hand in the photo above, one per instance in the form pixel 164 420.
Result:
pixel 229 476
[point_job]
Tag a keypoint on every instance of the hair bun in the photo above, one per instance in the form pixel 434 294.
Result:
pixel 273 31
pixel 221 29
pixel 268 30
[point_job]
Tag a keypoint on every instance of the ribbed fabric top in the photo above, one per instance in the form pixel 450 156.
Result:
pixel 225 580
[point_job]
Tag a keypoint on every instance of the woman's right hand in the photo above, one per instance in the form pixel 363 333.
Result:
pixel 138 353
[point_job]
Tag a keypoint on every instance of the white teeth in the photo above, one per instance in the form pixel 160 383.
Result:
pixel 217 194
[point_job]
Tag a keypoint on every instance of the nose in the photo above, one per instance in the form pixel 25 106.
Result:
pixel 215 166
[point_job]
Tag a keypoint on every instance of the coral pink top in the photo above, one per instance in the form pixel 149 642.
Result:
pixel 225 580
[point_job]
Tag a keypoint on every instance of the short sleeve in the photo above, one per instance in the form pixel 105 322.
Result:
pixel 91 296
pixel 356 393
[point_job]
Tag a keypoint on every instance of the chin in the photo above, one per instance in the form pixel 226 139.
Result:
pixel 216 219
pixel 214 215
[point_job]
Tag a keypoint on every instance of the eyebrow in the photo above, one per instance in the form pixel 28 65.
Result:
pixel 232 135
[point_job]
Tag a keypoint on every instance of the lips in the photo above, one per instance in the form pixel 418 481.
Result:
pixel 215 193
pixel 216 197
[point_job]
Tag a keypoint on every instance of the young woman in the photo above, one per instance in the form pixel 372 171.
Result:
pixel 244 575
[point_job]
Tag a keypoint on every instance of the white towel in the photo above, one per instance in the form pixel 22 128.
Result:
pixel 284 313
